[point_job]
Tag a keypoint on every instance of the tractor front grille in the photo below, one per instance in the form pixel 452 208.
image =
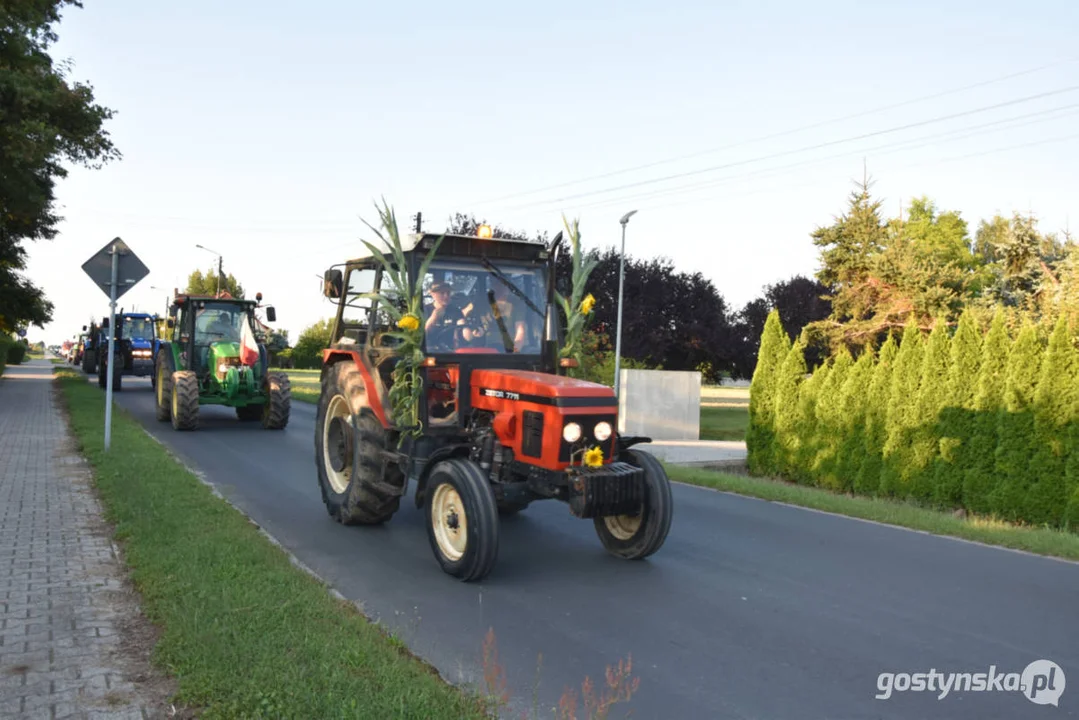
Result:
pixel 532 434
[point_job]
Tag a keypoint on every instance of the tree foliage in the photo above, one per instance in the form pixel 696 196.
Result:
pixel 208 283
pixel 46 121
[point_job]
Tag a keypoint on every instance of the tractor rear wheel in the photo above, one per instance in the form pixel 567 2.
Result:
pixel 634 537
pixel 462 519
pixel 275 411
pixel 185 400
pixel 117 373
pixel 370 492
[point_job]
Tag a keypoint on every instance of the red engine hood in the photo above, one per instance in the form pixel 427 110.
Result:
pixel 490 387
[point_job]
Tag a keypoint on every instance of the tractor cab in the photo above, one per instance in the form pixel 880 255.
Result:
pixel 499 424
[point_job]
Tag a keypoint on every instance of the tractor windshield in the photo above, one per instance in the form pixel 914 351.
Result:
pixel 142 328
pixel 219 323
pixel 477 305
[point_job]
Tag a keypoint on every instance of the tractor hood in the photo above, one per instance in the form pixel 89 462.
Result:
pixel 223 350
pixel 492 388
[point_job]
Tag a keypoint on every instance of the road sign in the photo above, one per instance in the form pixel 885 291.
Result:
pixel 129 269
pixel 116 270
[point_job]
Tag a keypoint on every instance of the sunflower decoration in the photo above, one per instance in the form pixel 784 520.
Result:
pixel 578 306
pixel 593 457
pixel 401 298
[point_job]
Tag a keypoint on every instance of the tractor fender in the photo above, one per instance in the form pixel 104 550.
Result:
pixel 443 453
pixel 332 356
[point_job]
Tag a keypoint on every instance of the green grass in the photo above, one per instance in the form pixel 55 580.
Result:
pixel 245 632
pixel 724 423
pixel 1043 541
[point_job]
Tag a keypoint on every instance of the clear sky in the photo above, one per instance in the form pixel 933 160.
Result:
pixel 266 131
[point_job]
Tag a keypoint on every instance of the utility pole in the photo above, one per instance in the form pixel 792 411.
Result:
pixel 618 332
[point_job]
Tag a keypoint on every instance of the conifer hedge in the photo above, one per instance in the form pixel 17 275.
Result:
pixel 954 418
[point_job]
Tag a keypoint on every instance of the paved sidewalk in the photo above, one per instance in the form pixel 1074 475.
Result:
pixel 62 603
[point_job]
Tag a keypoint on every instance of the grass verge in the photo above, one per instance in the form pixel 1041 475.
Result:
pixel 1042 541
pixel 724 423
pixel 245 632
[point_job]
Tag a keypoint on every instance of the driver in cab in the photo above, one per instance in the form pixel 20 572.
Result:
pixel 444 317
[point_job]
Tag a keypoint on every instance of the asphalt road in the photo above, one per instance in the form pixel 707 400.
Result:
pixel 751 609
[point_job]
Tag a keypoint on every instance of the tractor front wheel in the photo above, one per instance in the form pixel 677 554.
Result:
pixel 462 519
pixel 358 486
pixel 634 537
pixel 185 400
pixel 163 387
pixel 275 411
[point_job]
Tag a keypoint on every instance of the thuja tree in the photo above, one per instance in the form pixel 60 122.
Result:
pixel 1015 427
pixel 760 436
pixel 828 428
pixel 957 418
pixel 853 420
pixel 1054 422
pixel 867 480
pixel 979 466
pixel 806 425
pixel 900 421
pixel 789 379
pixel 925 430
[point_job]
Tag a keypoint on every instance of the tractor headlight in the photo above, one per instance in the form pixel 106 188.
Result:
pixel 222 368
pixel 571 433
pixel 603 431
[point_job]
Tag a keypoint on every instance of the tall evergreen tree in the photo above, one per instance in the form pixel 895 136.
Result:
pixel 760 436
pixel 979 464
pixel 809 440
pixel 853 415
pixel 932 394
pixel 788 423
pixel 901 420
pixel 828 428
pixel 957 416
pixel 867 481
pixel 1054 402
pixel 1015 431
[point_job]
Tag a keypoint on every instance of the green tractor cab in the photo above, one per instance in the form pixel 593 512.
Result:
pixel 217 356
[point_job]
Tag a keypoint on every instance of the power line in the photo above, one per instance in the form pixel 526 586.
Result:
pixel 909 144
pixel 783 133
pixel 818 146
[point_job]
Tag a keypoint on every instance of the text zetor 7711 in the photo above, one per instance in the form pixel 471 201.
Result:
pixel 502 423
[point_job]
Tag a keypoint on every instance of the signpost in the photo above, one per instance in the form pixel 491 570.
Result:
pixel 115 269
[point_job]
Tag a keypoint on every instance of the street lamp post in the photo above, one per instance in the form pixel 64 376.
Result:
pixel 618 331
pixel 220 265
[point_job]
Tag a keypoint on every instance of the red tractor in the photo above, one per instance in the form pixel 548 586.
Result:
pixel 502 424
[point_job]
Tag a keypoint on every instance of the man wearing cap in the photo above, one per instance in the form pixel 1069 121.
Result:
pixel 442 321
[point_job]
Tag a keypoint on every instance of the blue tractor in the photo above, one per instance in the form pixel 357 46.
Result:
pixel 136 344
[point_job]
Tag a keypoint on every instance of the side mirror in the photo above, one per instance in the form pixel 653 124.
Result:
pixel 170 323
pixel 84 328
pixel 333 284
pixel 271 314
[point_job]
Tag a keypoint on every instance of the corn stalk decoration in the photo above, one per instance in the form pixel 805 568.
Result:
pixel 578 306
pixel 406 310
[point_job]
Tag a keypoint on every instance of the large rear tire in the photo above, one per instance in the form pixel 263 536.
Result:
pixel 185 400
pixel 462 519
pixel 370 493
pixel 635 537
pixel 275 411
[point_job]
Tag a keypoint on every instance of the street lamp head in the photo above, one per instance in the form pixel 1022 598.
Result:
pixel 627 216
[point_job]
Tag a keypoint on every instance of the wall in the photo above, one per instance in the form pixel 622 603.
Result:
pixel 660 404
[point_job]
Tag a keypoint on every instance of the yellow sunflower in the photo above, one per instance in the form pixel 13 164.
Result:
pixel 593 457
pixel 409 322
pixel 588 303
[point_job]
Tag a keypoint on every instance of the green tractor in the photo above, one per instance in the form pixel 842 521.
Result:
pixel 217 356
